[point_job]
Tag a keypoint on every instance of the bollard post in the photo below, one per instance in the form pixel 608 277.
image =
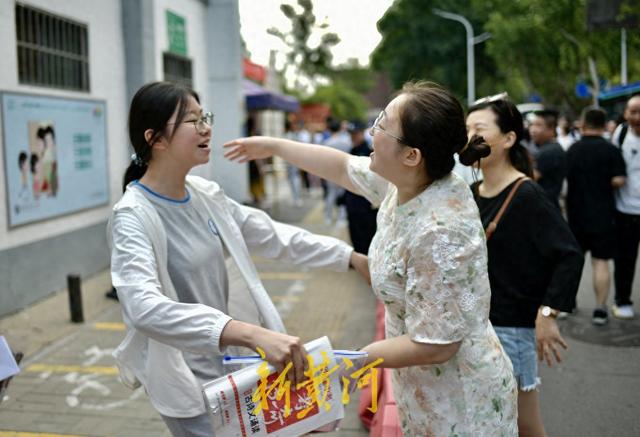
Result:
pixel 75 298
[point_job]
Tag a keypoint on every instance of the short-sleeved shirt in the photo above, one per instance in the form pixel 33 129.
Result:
pixel 552 165
pixel 428 264
pixel 628 196
pixel 591 164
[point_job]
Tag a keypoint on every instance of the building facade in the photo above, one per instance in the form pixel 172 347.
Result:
pixel 69 71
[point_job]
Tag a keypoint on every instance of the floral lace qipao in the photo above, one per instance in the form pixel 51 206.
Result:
pixel 428 263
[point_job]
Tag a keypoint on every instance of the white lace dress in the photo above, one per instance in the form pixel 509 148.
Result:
pixel 428 263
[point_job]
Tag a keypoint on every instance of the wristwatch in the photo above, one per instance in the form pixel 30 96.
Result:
pixel 548 312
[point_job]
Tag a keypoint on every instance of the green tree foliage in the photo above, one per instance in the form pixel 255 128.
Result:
pixel 547 46
pixel 536 47
pixel 345 102
pixel 343 87
pixel 345 94
pixel 303 58
pixel 353 75
pixel 417 44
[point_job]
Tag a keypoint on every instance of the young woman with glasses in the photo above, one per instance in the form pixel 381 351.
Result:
pixel 534 260
pixel 428 263
pixel 170 235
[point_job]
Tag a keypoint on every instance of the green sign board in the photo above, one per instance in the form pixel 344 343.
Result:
pixel 177 30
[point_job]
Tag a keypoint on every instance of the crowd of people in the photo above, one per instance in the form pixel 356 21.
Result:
pixel 589 173
pixel 569 160
pixel 472 277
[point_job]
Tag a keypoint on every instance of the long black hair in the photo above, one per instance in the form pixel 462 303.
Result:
pixel 151 108
pixel 508 119
pixel 432 120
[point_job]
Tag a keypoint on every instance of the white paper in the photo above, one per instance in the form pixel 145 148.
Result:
pixel 8 365
pixel 229 403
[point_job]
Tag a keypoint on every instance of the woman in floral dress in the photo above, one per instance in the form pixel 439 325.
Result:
pixel 428 263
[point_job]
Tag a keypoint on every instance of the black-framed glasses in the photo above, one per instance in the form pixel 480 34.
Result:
pixel 201 123
pixel 500 96
pixel 376 125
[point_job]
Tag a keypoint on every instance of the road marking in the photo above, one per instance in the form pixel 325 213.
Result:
pixel 109 326
pixel 95 354
pixel 286 302
pixel 33 434
pixel 66 368
pixel 58 344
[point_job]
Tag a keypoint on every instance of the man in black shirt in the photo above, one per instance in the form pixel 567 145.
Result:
pixel 550 160
pixel 595 169
pixel 360 213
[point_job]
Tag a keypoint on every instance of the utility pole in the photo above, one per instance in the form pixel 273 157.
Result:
pixel 623 56
pixel 471 41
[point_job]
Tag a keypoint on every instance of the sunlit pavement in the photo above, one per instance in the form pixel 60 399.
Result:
pixel 68 385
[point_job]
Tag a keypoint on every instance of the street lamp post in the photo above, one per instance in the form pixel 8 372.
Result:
pixel 623 56
pixel 471 41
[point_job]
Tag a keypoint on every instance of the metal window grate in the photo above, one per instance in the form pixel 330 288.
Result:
pixel 52 51
pixel 177 69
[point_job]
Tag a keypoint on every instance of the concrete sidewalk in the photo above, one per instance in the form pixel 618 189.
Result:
pixel 69 386
pixel 596 390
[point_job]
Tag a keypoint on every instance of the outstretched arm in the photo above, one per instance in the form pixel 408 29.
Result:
pixel 326 162
pixel 397 352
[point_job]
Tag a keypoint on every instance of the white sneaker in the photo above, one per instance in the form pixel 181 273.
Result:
pixel 562 315
pixel 623 312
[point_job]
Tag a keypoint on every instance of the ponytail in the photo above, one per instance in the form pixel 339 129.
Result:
pixel 133 173
pixel 521 159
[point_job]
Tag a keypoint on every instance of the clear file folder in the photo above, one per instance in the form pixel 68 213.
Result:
pixel 8 365
pixel 230 402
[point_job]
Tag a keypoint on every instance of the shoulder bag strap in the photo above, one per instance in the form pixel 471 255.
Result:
pixel 491 228
pixel 623 134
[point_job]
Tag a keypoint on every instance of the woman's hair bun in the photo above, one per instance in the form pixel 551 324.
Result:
pixel 476 149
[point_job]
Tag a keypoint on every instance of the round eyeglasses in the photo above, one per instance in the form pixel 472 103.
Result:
pixel 376 125
pixel 201 122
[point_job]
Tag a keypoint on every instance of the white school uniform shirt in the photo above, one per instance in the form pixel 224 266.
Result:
pixel 159 327
pixel 628 196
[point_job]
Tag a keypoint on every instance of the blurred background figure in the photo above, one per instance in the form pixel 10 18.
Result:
pixel 627 138
pixel 256 171
pixel 293 173
pixel 594 169
pixel 550 160
pixel 361 215
pixel 566 134
pixel 610 128
pixel 305 136
pixel 339 141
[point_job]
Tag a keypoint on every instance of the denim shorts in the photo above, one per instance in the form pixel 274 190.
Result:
pixel 520 346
